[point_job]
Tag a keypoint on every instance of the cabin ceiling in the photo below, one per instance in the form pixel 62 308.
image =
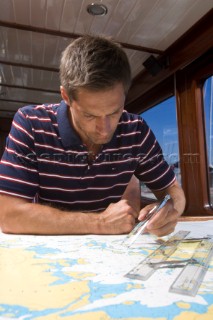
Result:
pixel 33 33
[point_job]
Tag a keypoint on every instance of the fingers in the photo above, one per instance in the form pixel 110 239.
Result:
pixel 163 222
pixel 145 211
pixel 129 224
pixel 164 230
pixel 118 218
pixel 126 207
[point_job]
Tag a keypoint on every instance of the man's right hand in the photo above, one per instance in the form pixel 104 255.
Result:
pixel 118 218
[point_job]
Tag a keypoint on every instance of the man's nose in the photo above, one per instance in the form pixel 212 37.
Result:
pixel 103 125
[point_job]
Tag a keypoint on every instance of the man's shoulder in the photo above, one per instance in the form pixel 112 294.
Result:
pixel 131 120
pixel 130 116
pixel 39 110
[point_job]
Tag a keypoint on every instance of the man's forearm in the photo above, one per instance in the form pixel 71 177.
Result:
pixel 177 195
pixel 21 217
pixel 31 218
pixel 17 215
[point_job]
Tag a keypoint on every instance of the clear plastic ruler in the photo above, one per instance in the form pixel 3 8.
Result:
pixel 147 266
pixel 191 276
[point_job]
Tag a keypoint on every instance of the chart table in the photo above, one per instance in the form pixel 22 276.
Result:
pixel 84 277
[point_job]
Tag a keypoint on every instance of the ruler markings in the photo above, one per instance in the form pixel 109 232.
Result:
pixel 146 267
pixel 192 275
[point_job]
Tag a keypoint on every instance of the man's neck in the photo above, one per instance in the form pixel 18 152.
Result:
pixel 93 148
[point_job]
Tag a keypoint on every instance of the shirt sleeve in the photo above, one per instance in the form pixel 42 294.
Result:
pixel 152 168
pixel 18 166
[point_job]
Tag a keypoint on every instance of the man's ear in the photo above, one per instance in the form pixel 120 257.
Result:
pixel 64 95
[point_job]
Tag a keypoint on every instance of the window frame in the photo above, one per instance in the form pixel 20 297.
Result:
pixel 187 86
pixel 192 135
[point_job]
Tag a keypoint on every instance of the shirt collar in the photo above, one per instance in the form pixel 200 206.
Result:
pixel 67 133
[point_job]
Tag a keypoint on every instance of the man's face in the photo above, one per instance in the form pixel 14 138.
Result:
pixel 95 115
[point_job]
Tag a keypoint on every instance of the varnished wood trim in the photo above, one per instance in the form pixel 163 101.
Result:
pixel 198 218
pixel 192 145
pixel 192 45
pixel 151 98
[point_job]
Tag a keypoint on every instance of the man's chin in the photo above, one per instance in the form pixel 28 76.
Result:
pixel 103 140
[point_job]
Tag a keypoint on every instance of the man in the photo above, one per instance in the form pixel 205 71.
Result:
pixel 79 158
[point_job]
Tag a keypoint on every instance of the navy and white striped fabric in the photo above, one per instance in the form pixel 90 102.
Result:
pixel 45 157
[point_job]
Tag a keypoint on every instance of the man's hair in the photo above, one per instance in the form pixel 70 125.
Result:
pixel 93 63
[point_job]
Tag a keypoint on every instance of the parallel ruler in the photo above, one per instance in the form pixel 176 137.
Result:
pixel 147 266
pixel 191 276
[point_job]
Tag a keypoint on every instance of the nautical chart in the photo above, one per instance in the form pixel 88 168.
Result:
pixel 83 277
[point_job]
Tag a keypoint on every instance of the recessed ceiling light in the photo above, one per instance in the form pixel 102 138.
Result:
pixel 96 9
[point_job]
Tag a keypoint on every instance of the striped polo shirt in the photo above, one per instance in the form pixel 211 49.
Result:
pixel 45 158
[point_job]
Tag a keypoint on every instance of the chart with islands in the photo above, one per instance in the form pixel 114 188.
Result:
pixel 83 278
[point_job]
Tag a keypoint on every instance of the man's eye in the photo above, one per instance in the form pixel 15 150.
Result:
pixel 89 116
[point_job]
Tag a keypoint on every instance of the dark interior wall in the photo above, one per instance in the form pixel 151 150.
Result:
pixel 5 124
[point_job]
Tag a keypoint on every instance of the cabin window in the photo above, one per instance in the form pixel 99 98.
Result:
pixel 162 120
pixel 208 109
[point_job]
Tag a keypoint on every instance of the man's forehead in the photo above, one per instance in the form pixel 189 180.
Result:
pixel 96 111
pixel 117 87
pixel 105 101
